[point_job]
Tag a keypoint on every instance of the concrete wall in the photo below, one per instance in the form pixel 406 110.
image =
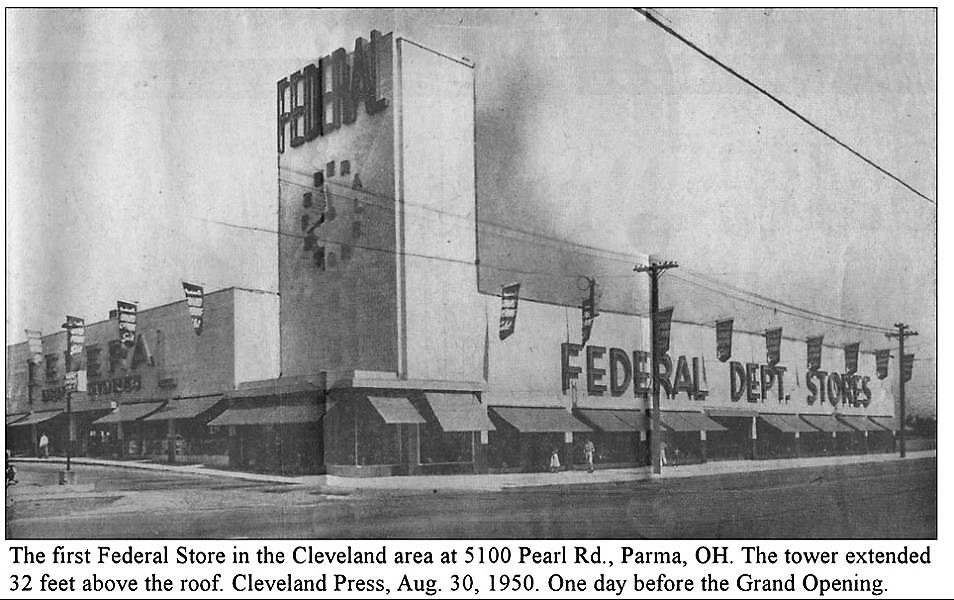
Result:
pixel 256 336
pixel 345 315
pixel 441 309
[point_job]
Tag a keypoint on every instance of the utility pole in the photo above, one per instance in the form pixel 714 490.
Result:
pixel 901 334
pixel 654 268
pixel 68 367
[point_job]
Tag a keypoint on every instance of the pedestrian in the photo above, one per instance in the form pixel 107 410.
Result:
pixel 662 452
pixel 44 445
pixel 555 461
pixel 589 449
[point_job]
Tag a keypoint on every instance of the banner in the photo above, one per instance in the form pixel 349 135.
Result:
pixel 75 335
pixel 851 357
pixel 881 362
pixel 35 345
pixel 589 312
pixel 194 301
pixel 724 339
pixel 75 342
pixel 907 366
pixel 663 330
pixel 509 295
pixel 773 346
pixel 126 313
pixel 814 352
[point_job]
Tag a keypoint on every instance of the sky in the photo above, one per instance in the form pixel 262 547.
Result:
pixel 127 131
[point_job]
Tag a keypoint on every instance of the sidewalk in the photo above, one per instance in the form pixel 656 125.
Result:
pixel 496 482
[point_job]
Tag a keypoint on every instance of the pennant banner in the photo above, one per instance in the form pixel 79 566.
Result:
pixel 881 362
pixel 589 312
pixel 195 303
pixel 724 339
pixel 814 352
pixel 35 345
pixel 907 366
pixel 851 357
pixel 663 330
pixel 773 345
pixel 509 295
pixel 126 312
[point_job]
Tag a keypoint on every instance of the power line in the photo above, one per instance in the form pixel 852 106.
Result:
pixel 826 320
pixel 383 250
pixel 652 18
pixel 586 249
pixel 786 305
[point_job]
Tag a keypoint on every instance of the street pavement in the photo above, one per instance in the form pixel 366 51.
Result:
pixel 888 499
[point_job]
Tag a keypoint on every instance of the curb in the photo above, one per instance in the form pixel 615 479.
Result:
pixel 497 482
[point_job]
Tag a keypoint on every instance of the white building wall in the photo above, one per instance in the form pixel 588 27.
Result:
pixel 441 309
pixel 256 336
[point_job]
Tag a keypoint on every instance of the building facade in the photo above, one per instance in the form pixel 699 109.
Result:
pixel 386 355
pixel 153 398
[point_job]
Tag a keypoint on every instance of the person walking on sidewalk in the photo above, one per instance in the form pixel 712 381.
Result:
pixel 589 449
pixel 44 445
pixel 555 461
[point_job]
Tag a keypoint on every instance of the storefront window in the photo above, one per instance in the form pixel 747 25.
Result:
pixel 377 441
pixel 438 446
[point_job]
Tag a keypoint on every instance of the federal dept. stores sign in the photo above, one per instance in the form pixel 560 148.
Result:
pixel 617 372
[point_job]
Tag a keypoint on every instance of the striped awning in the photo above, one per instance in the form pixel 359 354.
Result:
pixel 826 423
pixel 459 412
pixel 129 412
pixel 539 420
pixel 731 412
pixel 688 421
pixel 278 414
pixel 395 410
pixel 184 408
pixel 859 422
pixel 37 417
pixel 11 419
pixel 889 423
pixel 616 420
pixel 787 423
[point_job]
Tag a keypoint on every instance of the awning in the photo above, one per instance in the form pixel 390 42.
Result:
pixel 826 423
pixel 129 412
pixel 38 417
pixel 787 423
pixel 395 410
pixel 269 415
pixel 11 419
pixel 731 412
pixel 282 386
pixel 688 421
pixel 183 408
pixel 459 412
pixel 540 420
pixel 859 422
pixel 616 420
pixel 888 423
